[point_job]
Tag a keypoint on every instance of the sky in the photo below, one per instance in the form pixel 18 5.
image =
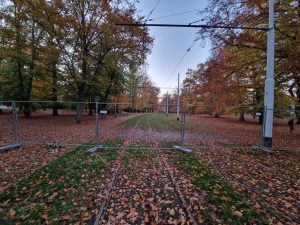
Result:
pixel 170 44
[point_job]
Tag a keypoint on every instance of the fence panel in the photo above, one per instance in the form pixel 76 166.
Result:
pixel 286 131
pixel 48 123
pixel 234 126
pixel 138 125
pixel 8 134
pixel 142 124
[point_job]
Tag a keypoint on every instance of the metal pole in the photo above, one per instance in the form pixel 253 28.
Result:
pixel 17 124
pixel 115 110
pixel 167 103
pixel 269 83
pixel 178 102
pixel 14 122
pixel 182 130
pixel 97 125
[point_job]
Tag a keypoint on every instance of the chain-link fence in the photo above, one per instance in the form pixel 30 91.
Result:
pixel 9 125
pixel 139 124
pixel 48 123
pixel 146 125
pixel 240 126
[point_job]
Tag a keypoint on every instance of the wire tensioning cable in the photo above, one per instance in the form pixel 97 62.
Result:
pixel 152 11
pixel 180 61
pixel 175 14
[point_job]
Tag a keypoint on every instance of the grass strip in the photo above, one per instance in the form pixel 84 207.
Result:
pixel 158 122
pixel 59 192
pixel 222 203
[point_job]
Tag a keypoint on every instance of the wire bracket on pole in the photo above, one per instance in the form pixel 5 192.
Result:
pixel 16 134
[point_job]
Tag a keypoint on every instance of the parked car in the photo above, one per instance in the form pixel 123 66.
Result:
pixel 5 109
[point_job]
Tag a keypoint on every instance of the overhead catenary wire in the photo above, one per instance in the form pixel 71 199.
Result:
pixel 180 61
pixel 174 14
pixel 193 26
pixel 151 12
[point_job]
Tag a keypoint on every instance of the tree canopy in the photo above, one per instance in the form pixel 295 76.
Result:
pixel 71 49
pixel 235 73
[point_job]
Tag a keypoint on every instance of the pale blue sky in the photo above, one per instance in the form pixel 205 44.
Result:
pixel 170 44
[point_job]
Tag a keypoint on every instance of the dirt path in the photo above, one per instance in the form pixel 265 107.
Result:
pixel 143 189
pixel 144 193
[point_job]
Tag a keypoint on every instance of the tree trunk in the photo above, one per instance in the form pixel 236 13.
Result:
pixel 91 107
pixel 84 68
pixel 78 113
pixel 242 116
pixel 79 105
pixel 27 106
pixel 19 63
pixel 216 115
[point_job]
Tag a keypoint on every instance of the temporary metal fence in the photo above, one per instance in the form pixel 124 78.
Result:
pixel 9 136
pixel 93 123
pixel 241 126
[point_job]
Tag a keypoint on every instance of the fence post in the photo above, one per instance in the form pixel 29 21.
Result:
pixel 15 126
pixel 97 125
pixel 97 147
pixel 182 131
pixel 182 127
pixel 13 104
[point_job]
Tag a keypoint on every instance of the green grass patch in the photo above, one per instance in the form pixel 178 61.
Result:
pixel 58 192
pixel 229 206
pixel 137 146
pixel 158 122
pixel 115 143
pixel 135 160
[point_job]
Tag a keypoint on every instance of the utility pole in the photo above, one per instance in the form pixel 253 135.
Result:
pixel 269 83
pixel 167 103
pixel 178 100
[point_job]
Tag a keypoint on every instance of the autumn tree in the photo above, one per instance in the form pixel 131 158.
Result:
pixel 70 45
pixel 21 52
pixel 142 92
pixel 245 50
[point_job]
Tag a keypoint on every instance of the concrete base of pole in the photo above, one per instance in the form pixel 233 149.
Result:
pixel 267 142
pixel 262 148
pixel 95 149
pixel 182 149
pixel 267 150
pixel 9 147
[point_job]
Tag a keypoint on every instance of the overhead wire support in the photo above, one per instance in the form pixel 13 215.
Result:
pixel 192 26
pixel 152 11
pixel 172 15
pixel 180 61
